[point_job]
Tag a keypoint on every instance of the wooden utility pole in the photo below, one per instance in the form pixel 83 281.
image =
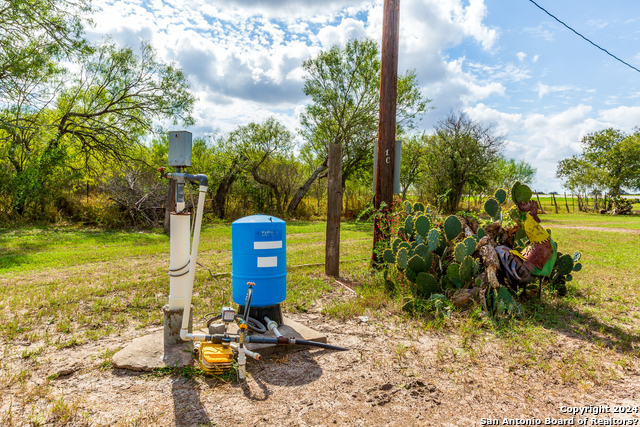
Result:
pixel 334 211
pixel 387 118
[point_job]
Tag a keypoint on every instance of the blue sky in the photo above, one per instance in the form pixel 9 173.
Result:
pixel 503 62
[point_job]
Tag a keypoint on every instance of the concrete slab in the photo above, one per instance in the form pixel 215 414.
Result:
pixel 149 352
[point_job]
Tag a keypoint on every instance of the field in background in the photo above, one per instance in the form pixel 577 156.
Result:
pixel 66 287
pixel 546 200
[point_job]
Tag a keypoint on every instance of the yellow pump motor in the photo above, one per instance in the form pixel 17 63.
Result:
pixel 215 358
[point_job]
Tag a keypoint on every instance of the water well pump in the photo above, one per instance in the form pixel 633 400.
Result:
pixel 215 351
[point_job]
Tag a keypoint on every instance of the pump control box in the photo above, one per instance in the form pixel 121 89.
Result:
pixel 228 314
pixel 180 149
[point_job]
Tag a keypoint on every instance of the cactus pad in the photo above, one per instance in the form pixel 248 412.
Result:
pixel 442 244
pixel 405 245
pixel 453 274
pixel 419 239
pixel 433 239
pixel 465 248
pixel 423 224
pixel 389 257
pixel 416 264
pixel 500 195
pixel 407 208
pixel 481 233
pixel 401 258
pixel 452 227
pixel 427 285
pixel 516 214
pixel 468 269
pixel 395 245
pixel 564 264
pixel 577 266
pixel 418 207
pixel 520 192
pixel 421 250
pixel 492 207
pixel 408 225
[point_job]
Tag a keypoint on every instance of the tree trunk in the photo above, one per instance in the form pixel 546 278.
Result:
pixel 272 185
pixel 297 198
pixel 218 202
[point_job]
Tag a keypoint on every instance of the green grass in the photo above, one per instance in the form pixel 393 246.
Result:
pixel 84 284
pixel 66 286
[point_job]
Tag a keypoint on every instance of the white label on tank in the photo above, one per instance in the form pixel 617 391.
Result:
pixel 267 245
pixel 267 261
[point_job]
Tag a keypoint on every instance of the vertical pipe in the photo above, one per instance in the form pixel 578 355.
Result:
pixel 192 263
pixel 179 259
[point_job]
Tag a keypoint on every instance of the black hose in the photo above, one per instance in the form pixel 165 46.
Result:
pixel 321 345
pixel 267 340
pixel 253 324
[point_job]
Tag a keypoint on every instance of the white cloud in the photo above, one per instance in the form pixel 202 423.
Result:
pixel 347 29
pixel 535 58
pixel 543 89
pixel 521 56
pixel 625 118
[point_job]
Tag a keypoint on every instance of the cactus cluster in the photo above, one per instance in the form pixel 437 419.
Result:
pixel 437 258
pixel 562 271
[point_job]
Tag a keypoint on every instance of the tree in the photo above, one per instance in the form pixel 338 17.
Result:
pixel 610 160
pixel 34 35
pixel 461 152
pixel 99 117
pixel 344 86
pixel 413 167
pixel 508 171
pixel 249 150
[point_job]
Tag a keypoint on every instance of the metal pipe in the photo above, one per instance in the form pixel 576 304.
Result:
pixel 242 362
pixel 192 265
pixel 179 259
pixel 272 326
pixel 249 353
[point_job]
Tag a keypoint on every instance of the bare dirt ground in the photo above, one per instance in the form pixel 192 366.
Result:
pixel 394 375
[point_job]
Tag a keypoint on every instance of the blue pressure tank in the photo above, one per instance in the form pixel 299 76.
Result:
pixel 259 255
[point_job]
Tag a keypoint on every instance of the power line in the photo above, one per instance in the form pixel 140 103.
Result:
pixel 602 49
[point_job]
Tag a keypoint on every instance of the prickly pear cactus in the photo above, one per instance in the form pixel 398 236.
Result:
pixel 436 258
pixel 452 227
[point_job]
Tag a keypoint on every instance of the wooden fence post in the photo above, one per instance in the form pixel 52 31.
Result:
pixel 565 201
pixel 334 211
pixel 554 201
pixel 539 203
